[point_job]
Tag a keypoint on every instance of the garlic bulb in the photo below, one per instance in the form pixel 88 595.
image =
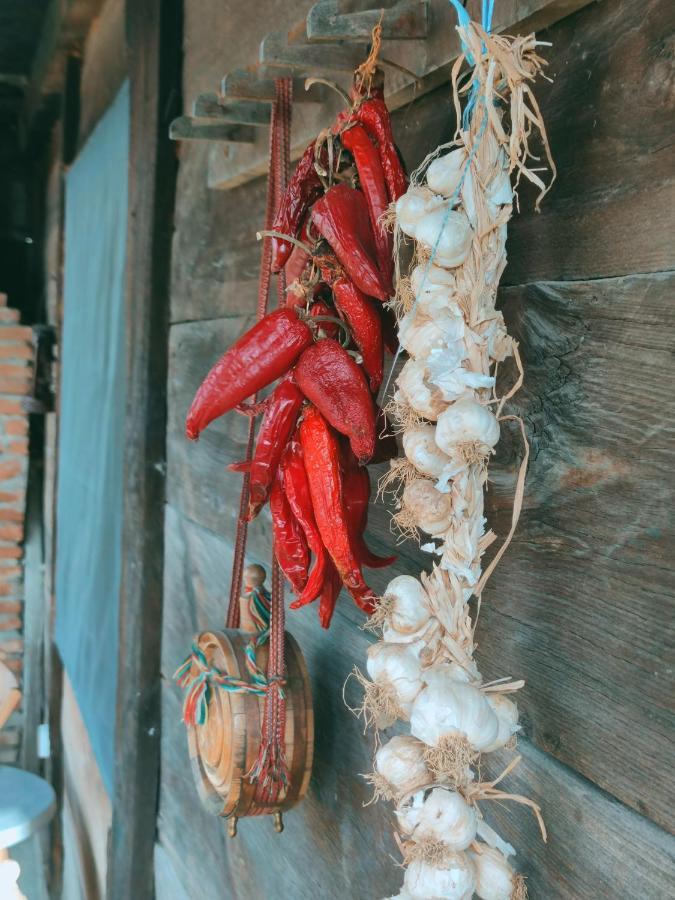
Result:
pixel 419 446
pixel 426 882
pixel 453 379
pixel 408 814
pixel 495 879
pixel 401 763
pixel 416 203
pixel 507 714
pixel 446 231
pixel 445 172
pixel 397 666
pixel 407 604
pixel 424 399
pixel 466 421
pixel 426 507
pixel 446 816
pixel 418 333
pixel 431 277
pixel 445 708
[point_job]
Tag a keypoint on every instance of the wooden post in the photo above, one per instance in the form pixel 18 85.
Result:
pixel 154 37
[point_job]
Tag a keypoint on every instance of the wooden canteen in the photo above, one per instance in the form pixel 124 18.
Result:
pixel 224 749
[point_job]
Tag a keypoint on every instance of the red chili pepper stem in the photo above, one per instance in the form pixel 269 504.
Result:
pixel 331 84
pixel 284 237
pixel 343 325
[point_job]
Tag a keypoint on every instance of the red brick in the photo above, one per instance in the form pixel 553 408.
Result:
pixel 7 572
pixel 10 468
pixel 11 533
pixel 16 350
pixel 9 315
pixel 9 370
pixel 10 552
pixel 16 427
pixel 9 624
pixel 11 497
pixel 11 407
pixel 10 606
pixel 13 386
pixel 6 588
pixel 10 515
pixel 3 299
pixel 20 333
pixel 19 448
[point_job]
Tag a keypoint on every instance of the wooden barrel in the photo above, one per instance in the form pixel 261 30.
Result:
pixel 224 749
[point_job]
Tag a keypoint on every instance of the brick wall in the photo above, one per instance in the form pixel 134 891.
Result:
pixel 16 354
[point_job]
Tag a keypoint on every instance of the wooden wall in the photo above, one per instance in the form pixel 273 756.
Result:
pixel 579 606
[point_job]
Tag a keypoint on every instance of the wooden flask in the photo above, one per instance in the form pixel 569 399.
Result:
pixel 224 749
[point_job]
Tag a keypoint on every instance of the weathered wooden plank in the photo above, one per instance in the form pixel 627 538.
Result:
pixel 597 847
pixel 245 84
pixel 154 35
pixel 185 128
pixel 578 604
pixel 406 20
pixel 243 112
pixel 279 57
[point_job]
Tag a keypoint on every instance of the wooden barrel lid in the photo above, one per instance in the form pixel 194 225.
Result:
pixel 224 749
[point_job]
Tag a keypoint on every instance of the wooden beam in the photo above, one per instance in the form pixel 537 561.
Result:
pixel 406 20
pixel 234 112
pixel 281 54
pixel 246 84
pixel 185 128
pixel 154 36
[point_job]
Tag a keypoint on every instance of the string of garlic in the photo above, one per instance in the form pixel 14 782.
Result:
pixel 423 670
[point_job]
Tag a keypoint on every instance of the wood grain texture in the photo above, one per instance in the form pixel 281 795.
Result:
pixel 579 604
pixel 154 37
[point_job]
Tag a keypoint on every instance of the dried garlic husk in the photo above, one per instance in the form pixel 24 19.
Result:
pixel 445 370
pixel 428 509
pixel 457 881
pixel 446 709
pixel 466 422
pixel 424 399
pixel 401 763
pixel 406 604
pixel 419 446
pixel 397 667
pixel 418 334
pixel 495 879
pixel 507 714
pixel 443 815
pixel 416 203
pixel 445 172
pixel 449 232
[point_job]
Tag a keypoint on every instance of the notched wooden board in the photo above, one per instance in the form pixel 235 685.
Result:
pixel 429 58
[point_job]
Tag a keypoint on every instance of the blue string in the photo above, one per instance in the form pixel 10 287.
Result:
pixel 463 20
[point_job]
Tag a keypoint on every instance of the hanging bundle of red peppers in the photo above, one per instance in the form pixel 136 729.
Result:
pixel 321 422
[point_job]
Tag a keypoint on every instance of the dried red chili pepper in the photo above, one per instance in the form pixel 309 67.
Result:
pixel 341 217
pixel 356 483
pixel 371 179
pixel 328 376
pixel 374 116
pixel 332 583
pixel 290 544
pixel 304 187
pixel 363 318
pixel 299 257
pixel 281 413
pixel 296 488
pixel 261 355
pixel 321 453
